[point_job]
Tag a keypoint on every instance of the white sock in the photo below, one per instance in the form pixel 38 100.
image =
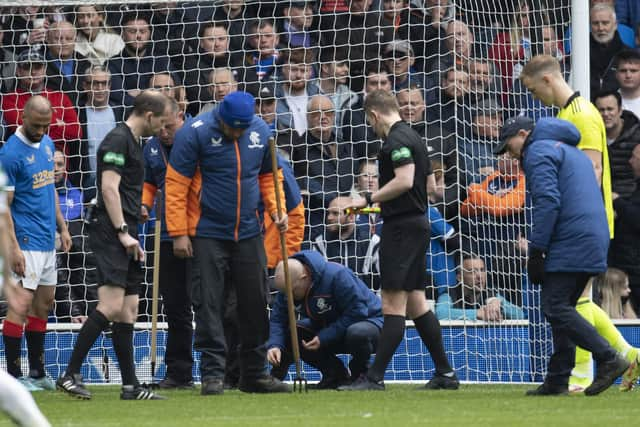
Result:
pixel 17 402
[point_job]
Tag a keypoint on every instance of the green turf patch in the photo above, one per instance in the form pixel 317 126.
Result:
pixel 400 405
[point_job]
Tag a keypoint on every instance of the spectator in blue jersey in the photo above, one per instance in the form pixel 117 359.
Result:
pixel 263 41
pixel 27 159
pixel 175 284
pixel 133 67
pixel 76 293
pixel 338 314
pixel 347 243
pixel 470 299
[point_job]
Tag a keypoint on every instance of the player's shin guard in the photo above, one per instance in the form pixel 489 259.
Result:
pixel 123 347
pixel 428 327
pixel 17 402
pixel 390 337
pixel 12 336
pixel 92 328
pixel 34 334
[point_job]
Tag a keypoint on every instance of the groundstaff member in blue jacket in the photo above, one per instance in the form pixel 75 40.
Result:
pixel 568 243
pixel 338 314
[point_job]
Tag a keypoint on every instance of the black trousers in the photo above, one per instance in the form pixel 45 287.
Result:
pixel 244 264
pixel 175 288
pixel 360 340
pixel 559 295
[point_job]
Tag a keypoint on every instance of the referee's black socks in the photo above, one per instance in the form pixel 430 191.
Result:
pixel 390 338
pixel 123 347
pixel 428 328
pixel 91 330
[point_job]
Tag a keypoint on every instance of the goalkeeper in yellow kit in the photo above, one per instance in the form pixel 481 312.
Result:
pixel 543 77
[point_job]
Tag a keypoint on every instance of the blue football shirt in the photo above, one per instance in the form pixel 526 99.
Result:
pixel 29 169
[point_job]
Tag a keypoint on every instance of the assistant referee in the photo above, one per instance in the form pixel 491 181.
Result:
pixel 405 177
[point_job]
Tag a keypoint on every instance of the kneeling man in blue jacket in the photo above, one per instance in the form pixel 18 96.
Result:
pixel 337 312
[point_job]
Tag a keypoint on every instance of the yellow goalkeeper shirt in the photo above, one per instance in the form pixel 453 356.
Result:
pixel 586 117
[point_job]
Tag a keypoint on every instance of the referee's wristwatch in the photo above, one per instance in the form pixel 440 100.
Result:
pixel 367 197
pixel 123 229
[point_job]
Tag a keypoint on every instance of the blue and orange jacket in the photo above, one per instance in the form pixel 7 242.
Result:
pixel 295 211
pixel 156 158
pixel 213 185
pixel 336 300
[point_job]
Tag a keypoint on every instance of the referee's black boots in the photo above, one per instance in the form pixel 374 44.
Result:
pixel 139 392
pixel 73 386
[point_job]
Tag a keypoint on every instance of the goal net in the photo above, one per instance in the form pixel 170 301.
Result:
pixel 453 66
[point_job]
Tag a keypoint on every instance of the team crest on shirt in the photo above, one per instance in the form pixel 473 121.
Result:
pixel 49 153
pixel 216 142
pixel 154 151
pixel 254 137
pixel 322 305
pixel 31 159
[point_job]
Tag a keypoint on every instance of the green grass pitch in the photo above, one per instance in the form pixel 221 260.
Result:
pixel 399 405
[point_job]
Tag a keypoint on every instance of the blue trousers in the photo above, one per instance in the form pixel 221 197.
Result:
pixel 559 295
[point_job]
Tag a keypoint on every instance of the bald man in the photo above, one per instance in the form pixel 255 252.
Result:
pixel 323 162
pixel 341 315
pixel 27 159
pixel 65 67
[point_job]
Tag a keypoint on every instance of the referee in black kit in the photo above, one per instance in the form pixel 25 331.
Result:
pixel 113 238
pixel 405 178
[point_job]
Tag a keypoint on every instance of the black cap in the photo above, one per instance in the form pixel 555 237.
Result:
pixel 29 56
pixel 263 91
pixel 510 128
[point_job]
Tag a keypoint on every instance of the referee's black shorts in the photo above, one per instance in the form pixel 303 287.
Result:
pixel 403 252
pixel 114 266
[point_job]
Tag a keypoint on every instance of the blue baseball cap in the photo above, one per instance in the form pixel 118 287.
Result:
pixel 510 128
pixel 237 109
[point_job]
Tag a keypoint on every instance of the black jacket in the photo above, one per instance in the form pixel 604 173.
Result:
pixel 622 179
pixel 321 175
pixel 602 63
pixel 624 252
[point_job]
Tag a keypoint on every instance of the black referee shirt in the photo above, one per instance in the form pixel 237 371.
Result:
pixel 121 152
pixel 403 146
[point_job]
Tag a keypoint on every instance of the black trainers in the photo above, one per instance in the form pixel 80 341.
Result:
pixel 139 392
pixel 171 384
pixel 211 387
pixel 363 384
pixel 546 389
pixel 606 374
pixel 331 382
pixel 443 382
pixel 73 385
pixel 266 384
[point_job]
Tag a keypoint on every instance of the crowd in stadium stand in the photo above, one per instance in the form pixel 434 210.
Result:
pixel 310 64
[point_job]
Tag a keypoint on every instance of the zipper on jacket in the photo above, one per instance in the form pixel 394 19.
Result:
pixel 239 190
